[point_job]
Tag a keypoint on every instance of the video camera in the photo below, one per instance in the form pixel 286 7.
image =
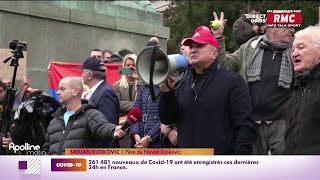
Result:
pixel 32 118
pixel 38 102
pixel 16 44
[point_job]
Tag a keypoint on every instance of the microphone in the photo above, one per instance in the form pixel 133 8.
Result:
pixel 133 117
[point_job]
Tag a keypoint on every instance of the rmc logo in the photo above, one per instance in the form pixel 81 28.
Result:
pixel 284 18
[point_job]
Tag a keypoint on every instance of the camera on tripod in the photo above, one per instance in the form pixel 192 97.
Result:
pixel 16 44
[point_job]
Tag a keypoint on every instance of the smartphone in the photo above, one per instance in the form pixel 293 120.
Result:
pixel 125 71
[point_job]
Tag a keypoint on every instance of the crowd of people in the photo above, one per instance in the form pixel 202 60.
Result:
pixel 261 99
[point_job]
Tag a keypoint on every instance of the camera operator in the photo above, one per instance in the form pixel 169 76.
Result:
pixel 244 29
pixel 9 96
pixel 32 118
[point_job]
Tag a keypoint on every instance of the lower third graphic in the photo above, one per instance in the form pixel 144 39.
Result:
pixel 31 166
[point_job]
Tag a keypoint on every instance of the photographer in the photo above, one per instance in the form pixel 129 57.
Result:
pixel 244 29
pixel 32 118
pixel 10 93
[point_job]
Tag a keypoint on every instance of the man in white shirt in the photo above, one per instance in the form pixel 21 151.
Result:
pixel 100 93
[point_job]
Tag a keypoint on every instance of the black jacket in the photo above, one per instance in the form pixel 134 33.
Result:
pixel 84 126
pixel 302 115
pixel 243 30
pixel 106 101
pixel 217 116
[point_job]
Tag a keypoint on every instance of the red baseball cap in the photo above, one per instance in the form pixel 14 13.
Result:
pixel 202 28
pixel 202 37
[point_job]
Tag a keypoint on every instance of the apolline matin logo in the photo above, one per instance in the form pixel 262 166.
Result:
pixel 30 166
pixel 30 149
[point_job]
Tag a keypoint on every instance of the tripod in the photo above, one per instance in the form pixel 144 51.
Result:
pixel 17 48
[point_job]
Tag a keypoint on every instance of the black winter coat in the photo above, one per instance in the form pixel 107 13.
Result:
pixel 302 115
pixel 84 126
pixel 217 116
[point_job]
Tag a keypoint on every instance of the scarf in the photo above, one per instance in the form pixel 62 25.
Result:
pixel 286 74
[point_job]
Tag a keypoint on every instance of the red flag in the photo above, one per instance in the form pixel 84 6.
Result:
pixel 59 70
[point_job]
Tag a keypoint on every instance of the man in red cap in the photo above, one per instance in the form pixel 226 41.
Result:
pixel 212 108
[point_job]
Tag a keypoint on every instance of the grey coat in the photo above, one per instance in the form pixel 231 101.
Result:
pixel 123 94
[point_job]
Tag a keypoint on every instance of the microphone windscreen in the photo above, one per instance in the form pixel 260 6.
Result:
pixel 134 115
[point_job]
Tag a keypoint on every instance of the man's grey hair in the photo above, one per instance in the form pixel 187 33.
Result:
pixel 101 75
pixel 313 32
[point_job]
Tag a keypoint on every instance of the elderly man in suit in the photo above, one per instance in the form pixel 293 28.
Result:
pixel 100 93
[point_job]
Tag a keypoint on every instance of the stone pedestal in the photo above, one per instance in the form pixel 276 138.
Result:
pixel 68 30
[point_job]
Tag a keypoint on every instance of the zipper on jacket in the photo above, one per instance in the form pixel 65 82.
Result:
pixel 262 84
pixel 299 115
pixel 64 136
pixel 200 86
pixel 61 120
pixel 64 128
pixel 145 124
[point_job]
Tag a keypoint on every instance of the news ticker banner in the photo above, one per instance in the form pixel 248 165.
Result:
pixel 160 167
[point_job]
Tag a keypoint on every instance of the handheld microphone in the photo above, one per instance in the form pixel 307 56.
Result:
pixel 133 117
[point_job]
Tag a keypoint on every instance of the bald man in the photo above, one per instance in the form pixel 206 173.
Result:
pixel 77 124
